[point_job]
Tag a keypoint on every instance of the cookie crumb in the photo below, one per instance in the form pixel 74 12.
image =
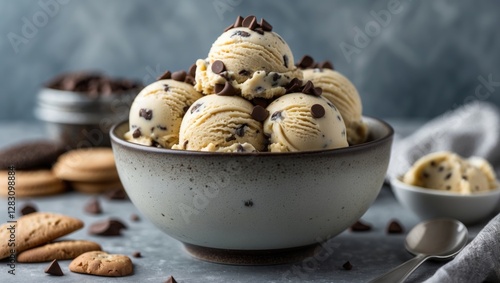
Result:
pixel 54 269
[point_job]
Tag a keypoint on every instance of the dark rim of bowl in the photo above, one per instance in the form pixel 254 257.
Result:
pixel 358 147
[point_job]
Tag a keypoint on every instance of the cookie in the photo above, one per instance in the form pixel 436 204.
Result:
pixel 32 183
pixel 36 229
pixel 102 264
pixel 96 187
pixel 31 155
pixel 87 165
pixel 62 250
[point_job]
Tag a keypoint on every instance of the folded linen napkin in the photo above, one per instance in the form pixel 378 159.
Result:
pixel 470 130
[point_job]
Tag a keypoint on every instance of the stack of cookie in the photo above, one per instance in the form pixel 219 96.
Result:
pixel 88 170
pixel 25 169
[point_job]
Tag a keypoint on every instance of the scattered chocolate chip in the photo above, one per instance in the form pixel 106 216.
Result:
pixel 179 76
pixel 248 203
pixel 259 113
pixel 166 87
pixel 276 76
pixel 165 76
pixel 276 116
pixel 250 22
pixel 93 206
pixel 394 227
pixel 137 254
pixel 134 217
pixel 170 279
pixel 293 86
pixel 218 88
pixel 240 131
pixel 136 133
pixel 265 25
pixel 192 70
pixel 230 138
pixel 241 33
pixel 261 101
pixel 325 65
pixel 244 73
pixel 228 28
pixel 347 265
pixel 110 227
pixel 146 113
pixel 195 107
pixel 190 80
pixel 92 84
pixel 285 61
pixel 448 176
pixel 317 91
pixel 259 30
pixel 306 62
pixel 28 208
pixel 307 87
pixel 317 111
pixel 228 90
pixel 54 269
pixel 117 194
pixel 360 226
pixel 218 67
pixel 239 22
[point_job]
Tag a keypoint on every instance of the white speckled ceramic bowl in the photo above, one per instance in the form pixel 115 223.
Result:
pixel 223 204
pixel 428 203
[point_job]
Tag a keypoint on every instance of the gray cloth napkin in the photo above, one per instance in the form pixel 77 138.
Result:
pixel 472 129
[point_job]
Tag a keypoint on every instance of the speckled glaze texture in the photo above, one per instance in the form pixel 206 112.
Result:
pixel 253 201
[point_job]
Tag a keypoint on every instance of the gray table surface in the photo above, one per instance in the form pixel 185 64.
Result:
pixel 371 253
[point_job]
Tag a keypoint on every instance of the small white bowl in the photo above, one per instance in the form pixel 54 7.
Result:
pixel 429 203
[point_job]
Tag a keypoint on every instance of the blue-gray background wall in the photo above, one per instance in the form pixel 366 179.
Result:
pixel 413 59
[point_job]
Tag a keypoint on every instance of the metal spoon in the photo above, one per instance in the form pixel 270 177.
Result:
pixel 439 239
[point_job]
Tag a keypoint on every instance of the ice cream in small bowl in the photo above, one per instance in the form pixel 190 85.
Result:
pixel 443 184
pixel 249 158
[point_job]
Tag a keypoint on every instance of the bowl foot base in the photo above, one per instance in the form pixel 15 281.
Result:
pixel 251 257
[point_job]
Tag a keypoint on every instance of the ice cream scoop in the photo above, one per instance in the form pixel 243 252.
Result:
pixel 302 122
pixel 156 113
pixel 343 94
pixel 256 61
pixel 221 123
pixel 448 171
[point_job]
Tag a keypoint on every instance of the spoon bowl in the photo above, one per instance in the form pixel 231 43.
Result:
pixel 441 238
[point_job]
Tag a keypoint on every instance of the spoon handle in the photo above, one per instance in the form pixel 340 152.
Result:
pixel 401 272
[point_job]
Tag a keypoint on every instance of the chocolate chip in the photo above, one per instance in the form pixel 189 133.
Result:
pixel 239 22
pixel 248 203
pixel 192 70
pixel 306 62
pixel 137 254
pixel 170 279
pixel 230 138
pixel 441 168
pixel 218 67
pixel 110 227
pixel 218 88
pixel 394 227
pixel 244 73
pixel 325 65
pixel 240 131
pixel 179 76
pixel 166 87
pixel 425 174
pixel 308 87
pixel 448 176
pixel 231 26
pixel 163 128
pixel 317 111
pixel 265 25
pixel 276 76
pixel 195 107
pixel 134 217
pixel 259 30
pixel 146 113
pixel 250 22
pixel 433 163
pixel 261 101
pixel 190 80
pixel 241 33
pixel 28 208
pixel 360 226
pixel 276 116
pixel 54 269
pixel 293 86
pixel 165 76
pixel 228 90
pixel 117 194
pixel 136 133
pixel 317 91
pixel 285 61
pixel 465 177
pixel 93 206
pixel 259 113
pixel 347 265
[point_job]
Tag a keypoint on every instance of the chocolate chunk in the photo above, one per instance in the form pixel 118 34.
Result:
pixel 136 133
pixel 285 61
pixel 240 131
pixel 261 101
pixel 265 25
pixel 170 279
pixel 218 88
pixel 306 62
pixel 259 30
pixel 179 76
pixel 241 33
pixel 163 128
pixel 307 87
pixel 192 70
pixel 293 86
pixel 134 217
pixel 93 206
pixel 317 111
pixel 137 254
pixel 218 67
pixel 54 269
pixel 325 65
pixel 317 91
pixel 347 265
pixel 276 116
pixel 146 113
pixel 165 76
pixel 117 194
pixel 360 226
pixel 248 203
pixel 394 227
pixel 228 90
pixel 250 22
pixel 239 22
pixel 28 208
pixel 259 113
pixel 110 227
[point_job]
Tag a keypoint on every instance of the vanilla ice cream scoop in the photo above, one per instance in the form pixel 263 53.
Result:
pixel 221 123
pixel 450 172
pixel 254 60
pixel 156 114
pixel 302 122
pixel 343 94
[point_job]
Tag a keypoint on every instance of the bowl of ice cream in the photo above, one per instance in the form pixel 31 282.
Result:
pixel 443 184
